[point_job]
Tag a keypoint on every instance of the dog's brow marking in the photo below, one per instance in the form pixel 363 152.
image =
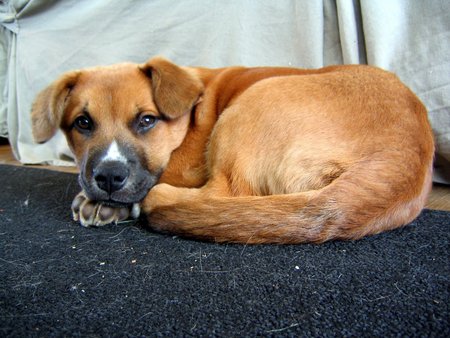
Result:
pixel 114 153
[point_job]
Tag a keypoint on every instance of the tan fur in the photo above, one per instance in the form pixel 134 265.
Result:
pixel 258 155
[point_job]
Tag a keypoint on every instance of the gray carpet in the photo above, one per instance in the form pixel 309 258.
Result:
pixel 59 279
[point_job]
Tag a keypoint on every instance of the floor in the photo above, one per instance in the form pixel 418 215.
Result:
pixel 439 198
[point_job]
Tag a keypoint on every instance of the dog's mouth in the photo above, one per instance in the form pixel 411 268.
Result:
pixel 133 191
pixel 116 175
pixel 115 204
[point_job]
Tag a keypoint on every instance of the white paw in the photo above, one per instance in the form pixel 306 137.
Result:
pixel 92 213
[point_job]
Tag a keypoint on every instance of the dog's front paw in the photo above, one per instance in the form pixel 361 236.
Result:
pixel 92 213
pixel 161 195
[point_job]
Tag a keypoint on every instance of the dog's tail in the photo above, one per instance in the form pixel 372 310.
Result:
pixel 367 199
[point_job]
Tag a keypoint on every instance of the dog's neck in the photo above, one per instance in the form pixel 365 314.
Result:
pixel 187 163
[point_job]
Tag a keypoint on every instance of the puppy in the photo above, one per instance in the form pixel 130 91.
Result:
pixel 248 155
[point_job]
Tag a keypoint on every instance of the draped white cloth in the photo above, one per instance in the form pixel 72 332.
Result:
pixel 40 39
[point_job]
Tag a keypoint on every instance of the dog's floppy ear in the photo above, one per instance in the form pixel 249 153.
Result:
pixel 49 105
pixel 175 90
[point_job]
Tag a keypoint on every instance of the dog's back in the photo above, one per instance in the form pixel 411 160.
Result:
pixel 308 158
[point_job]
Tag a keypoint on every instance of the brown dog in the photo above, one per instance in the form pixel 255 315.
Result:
pixel 251 155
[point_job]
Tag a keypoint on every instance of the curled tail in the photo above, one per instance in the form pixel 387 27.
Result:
pixel 365 200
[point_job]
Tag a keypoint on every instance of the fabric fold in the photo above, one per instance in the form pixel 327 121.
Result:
pixel 40 39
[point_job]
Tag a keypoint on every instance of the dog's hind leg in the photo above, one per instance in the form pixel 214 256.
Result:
pixel 373 195
pixel 215 212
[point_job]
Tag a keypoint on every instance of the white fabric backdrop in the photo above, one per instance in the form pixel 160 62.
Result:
pixel 40 39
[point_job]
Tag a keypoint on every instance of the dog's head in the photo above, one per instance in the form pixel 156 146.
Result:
pixel 122 123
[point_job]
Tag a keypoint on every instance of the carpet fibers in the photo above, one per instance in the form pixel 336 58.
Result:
pixel 59 279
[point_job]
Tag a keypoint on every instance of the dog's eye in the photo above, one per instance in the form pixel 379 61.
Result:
pixel 146 122
pixel 83 124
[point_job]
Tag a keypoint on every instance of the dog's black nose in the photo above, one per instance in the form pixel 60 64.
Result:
pixel 111 176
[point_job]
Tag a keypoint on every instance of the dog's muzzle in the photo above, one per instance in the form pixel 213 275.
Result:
pixel 125 181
